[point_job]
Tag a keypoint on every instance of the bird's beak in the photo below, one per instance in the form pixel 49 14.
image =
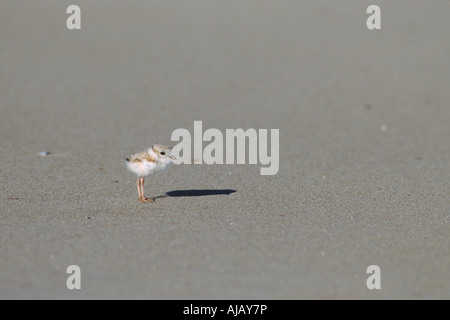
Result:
pixel 173 157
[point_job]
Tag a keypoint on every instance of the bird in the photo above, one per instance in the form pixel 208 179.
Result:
pixel 155 159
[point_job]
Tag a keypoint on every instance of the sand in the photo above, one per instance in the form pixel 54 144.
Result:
pixel 364 120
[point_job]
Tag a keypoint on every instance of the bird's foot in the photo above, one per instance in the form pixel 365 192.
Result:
pixel 145 199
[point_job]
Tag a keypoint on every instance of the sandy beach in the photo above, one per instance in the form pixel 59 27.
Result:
pixel 364 148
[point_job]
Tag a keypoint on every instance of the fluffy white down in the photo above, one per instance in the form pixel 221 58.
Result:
pixel 144 167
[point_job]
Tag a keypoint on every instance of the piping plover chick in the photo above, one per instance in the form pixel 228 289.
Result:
pixel 153 160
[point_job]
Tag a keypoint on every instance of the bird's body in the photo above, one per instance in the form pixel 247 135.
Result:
pixel 155 159
pixel 145 163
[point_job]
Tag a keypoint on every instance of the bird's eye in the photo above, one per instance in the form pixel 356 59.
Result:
pixel 163 153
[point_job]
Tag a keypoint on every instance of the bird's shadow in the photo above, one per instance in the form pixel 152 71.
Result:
pixel 195 193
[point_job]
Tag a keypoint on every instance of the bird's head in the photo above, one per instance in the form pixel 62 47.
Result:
pixel 163 152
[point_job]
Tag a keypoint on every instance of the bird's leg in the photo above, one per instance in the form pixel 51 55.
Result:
pixel 138 183
pixel 141 181
pixel 142 197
